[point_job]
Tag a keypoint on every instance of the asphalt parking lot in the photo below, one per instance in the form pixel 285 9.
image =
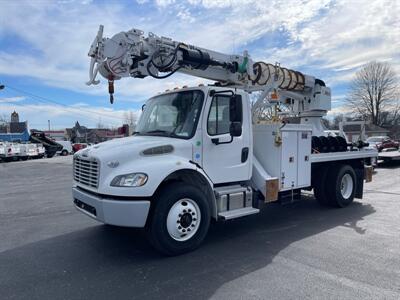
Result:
pixel 48 250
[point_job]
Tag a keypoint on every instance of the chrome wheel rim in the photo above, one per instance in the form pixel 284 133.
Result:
pixel 183 219
pixel 346 186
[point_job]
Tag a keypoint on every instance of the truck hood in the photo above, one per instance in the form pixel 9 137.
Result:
pixel 132 147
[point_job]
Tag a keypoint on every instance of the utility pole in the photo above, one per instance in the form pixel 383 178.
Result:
pixel 49 124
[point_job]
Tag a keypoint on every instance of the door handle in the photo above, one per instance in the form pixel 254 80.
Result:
pixel 245 154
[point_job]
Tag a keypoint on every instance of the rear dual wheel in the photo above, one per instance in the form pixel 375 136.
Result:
pixel 342 185
pixel 335 186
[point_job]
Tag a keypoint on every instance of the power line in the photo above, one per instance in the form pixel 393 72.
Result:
pixel 71 110
pixel 43 99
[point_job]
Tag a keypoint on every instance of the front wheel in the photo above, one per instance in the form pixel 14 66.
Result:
pixel 180 219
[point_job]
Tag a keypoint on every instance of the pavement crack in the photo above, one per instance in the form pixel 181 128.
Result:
pixel 382 192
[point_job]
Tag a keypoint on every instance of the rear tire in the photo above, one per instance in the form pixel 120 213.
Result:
pixel 320 193
pixel 180 219
pixel 64 153
pixel 341 185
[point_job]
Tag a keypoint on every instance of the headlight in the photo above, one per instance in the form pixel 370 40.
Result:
pixel 129 180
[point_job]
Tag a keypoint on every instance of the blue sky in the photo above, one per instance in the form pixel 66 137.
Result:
pixel 44 45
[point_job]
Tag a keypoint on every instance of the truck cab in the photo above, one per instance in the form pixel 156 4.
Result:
pixel 198 136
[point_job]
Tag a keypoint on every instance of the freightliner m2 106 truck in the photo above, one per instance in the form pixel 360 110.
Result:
pixel 202 153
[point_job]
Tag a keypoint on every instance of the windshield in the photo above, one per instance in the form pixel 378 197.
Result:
pixel 173 115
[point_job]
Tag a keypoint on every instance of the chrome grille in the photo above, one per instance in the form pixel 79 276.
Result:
pixel 86 171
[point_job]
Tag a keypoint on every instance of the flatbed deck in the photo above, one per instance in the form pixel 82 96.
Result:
pixel 334 156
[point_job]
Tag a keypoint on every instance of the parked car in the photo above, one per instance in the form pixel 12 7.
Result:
pixel 382 142
pixel 67 148
pixel 79 146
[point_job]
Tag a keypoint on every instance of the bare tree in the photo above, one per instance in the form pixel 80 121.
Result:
pixel 326 123
pixel 336 120
pixel 4 118
pixel 129 118
pixel 373 91
pixel 100 124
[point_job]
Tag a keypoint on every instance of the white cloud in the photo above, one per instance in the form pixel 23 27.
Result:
pixel 164 3
pixel 12 99
pixel 330 38
pixel 340 110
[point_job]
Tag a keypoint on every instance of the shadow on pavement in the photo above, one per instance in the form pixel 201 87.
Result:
pixel 118 263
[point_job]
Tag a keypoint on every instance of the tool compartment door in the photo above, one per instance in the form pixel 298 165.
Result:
pixel 289 160
pixel 303 158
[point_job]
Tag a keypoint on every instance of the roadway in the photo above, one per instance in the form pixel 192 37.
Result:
pixel 48 250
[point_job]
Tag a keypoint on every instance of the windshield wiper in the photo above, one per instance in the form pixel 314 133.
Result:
pixel 164 132
pixel 160 131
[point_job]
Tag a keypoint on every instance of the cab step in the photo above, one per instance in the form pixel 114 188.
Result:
pixel 237 213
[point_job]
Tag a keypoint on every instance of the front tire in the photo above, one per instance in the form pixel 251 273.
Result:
pixel 180 219
pixel 341 185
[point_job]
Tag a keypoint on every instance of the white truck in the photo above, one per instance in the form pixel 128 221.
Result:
pixel 201 153
pixel 9 151
pixel 31 151
pixel 2 150
pixel 28 150
pixel 67 148
pixel 41 150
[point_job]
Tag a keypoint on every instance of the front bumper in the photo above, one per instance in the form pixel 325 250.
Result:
pixel 120 213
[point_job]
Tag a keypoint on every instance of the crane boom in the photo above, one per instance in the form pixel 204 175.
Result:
pixel 131 54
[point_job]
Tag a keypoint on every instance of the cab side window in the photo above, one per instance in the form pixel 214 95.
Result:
pixel 218 121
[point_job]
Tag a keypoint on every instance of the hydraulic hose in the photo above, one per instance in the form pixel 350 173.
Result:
pixel 287 79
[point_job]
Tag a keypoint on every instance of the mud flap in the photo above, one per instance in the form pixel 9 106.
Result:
pixel 359 183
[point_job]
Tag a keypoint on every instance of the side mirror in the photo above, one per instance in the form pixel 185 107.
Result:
pixel 235 129
pixel 143 106
pixel 235 109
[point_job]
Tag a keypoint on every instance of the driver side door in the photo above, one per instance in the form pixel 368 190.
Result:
pixel 227 161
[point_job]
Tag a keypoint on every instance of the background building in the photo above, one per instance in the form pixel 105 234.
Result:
pixel 82 134
pixel 14 130
pixel 353 131
pixel 57 135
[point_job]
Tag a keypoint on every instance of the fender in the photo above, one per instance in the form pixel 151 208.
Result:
pixel 157 168
pixel 198 178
